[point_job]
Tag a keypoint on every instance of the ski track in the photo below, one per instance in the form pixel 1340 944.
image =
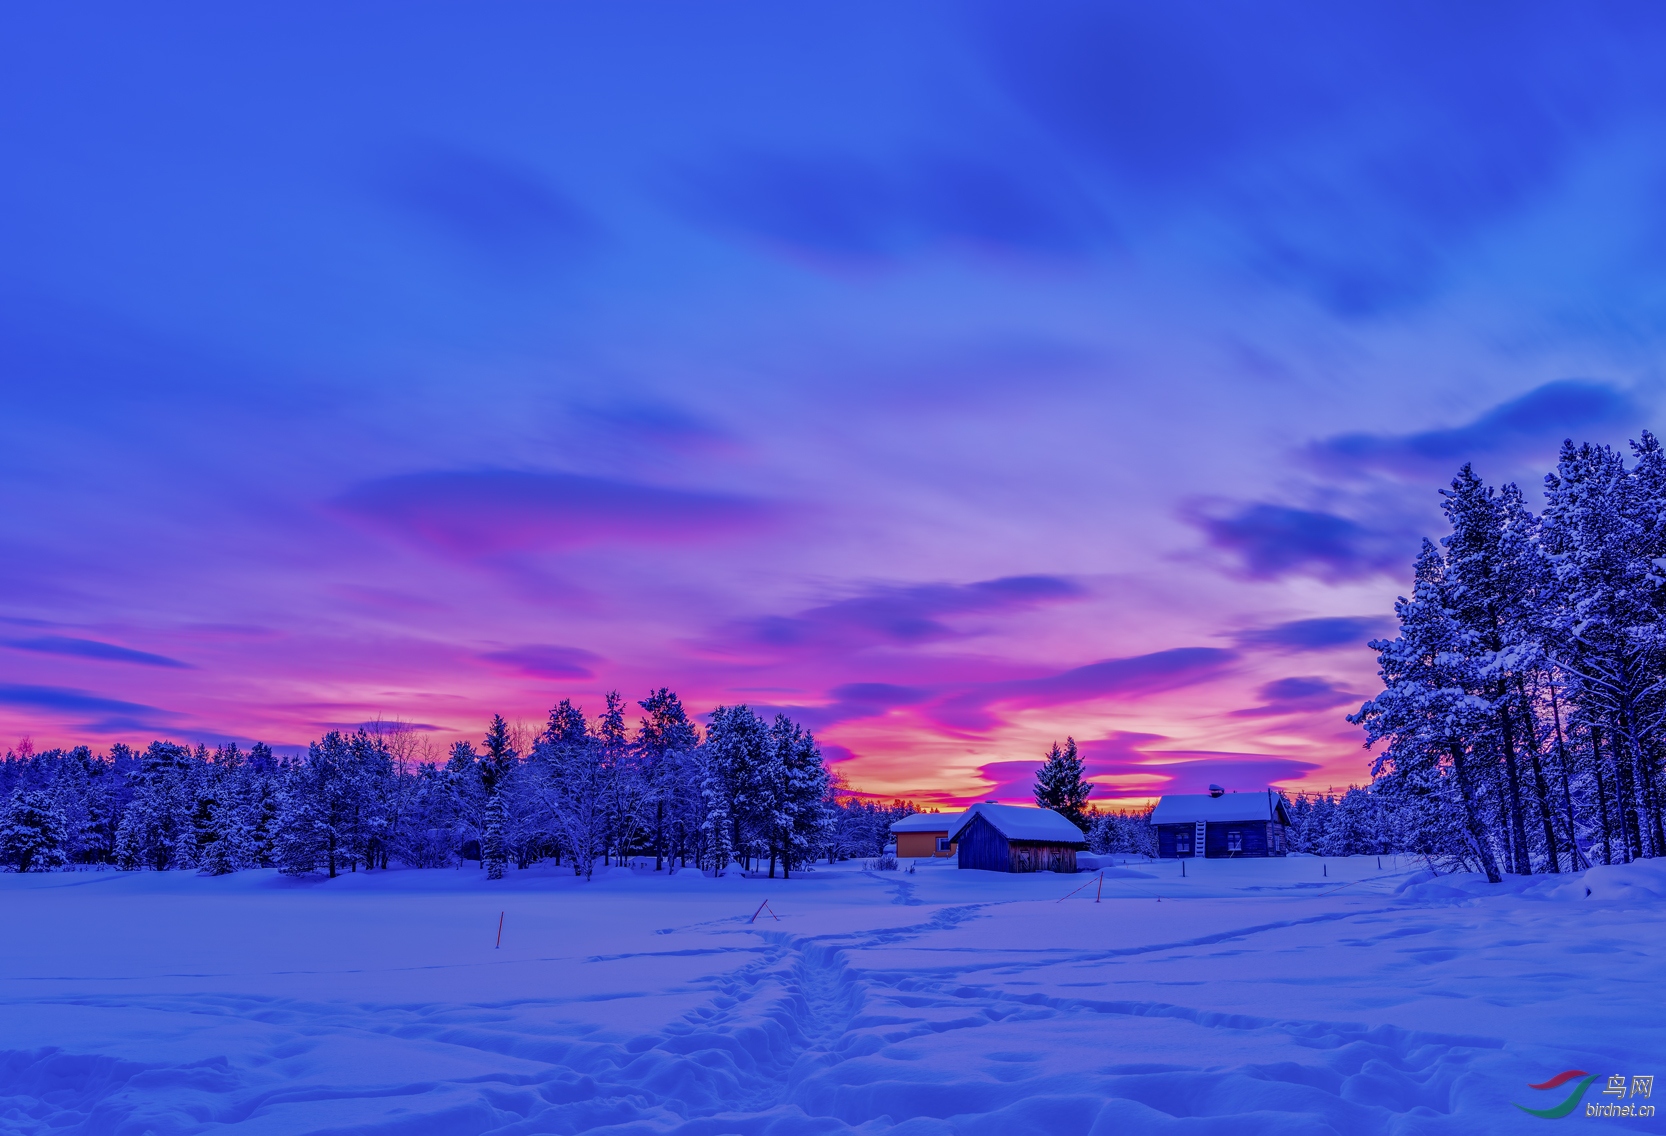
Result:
pixel 803 1035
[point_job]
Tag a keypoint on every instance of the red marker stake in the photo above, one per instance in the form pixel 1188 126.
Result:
pixel 499 930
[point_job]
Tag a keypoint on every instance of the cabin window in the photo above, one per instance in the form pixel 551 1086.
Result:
pixel 1183 842
pixel 943 844
pixel 1234 840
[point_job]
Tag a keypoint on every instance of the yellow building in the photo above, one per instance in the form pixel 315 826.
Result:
pixel 923 835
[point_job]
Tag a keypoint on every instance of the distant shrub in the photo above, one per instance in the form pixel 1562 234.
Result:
pixel 885 862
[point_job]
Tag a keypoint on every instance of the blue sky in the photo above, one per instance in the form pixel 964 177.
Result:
pixel 955 377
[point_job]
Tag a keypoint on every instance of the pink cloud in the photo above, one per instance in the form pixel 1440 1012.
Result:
pixel 546 662
pixel 1130 676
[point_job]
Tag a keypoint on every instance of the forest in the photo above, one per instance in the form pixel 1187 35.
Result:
pixel 1519 728
pixel 743 791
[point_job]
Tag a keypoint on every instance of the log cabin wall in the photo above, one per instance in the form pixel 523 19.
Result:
pixel 981 846
pixel 1042 858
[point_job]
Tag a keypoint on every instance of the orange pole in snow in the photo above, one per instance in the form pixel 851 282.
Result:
pixel 1074 890
pixel 499 930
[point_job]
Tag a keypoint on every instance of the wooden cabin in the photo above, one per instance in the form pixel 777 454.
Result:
pixel 1012 838
pixel 924 834
pixel 1222 826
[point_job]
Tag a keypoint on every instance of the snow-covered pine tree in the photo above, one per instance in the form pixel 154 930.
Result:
pixel 1061 786
pixel 1426 712
pixel 621 789
pixel 373 791
pixel 791 793
pixel 71 790
pixel 1602 530
pixel 496 764
pixel 737 748
pixel 426 833
pixel 32 832
pixel 468 798
pixel 576 789
pixel 665 742
pixel 218 814
pixel 806 800
pixel 222 854
pixel 262 777
pixel 156 829
pixel 299 837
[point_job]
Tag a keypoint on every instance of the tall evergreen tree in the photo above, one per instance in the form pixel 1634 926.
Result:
pixel 156 829
pixel 1060 784
pixel 576 785
pixel 737 748
pixel 665 743
pixel 32 832
pixel 1426 711
pixel 495 766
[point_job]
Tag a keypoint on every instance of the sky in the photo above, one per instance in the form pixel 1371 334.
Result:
pixel 952 377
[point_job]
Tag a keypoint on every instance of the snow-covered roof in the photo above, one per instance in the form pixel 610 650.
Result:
pixel 1189 808
pixel 1016 822
pixel 926 822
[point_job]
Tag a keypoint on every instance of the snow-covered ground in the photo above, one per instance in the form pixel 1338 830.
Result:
pixel 1289 997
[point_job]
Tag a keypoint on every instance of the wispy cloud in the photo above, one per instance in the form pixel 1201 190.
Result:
pixel 91 649
pixel 1321 634
pixel 1125 766
pixel 1128 677
pixel 98 713
pixel 1532 424
pixel 541 661
pixel 906 613
pixel 1299 695
pixel 1265 541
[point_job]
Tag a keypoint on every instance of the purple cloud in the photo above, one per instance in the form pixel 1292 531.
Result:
pixel 1159 771
pixel 91 649
pixel 480 512
pixel 909 613
pixel 1316 634
pixel 1532 424
pixel 546 661
pixel 1297 696
pixel 1270 541
pixel 1129 676
pixel 852 702
pixel 108 713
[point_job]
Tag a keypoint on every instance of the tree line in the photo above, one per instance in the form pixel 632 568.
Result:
pixel 742 792
pixel 1521 719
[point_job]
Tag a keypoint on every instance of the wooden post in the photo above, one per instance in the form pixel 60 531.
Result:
pixel 499 930
pixel 1098 891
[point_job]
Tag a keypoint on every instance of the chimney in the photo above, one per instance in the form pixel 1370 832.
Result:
pixel 1216 790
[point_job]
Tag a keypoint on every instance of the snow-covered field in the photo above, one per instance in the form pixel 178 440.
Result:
pixel 1288 997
